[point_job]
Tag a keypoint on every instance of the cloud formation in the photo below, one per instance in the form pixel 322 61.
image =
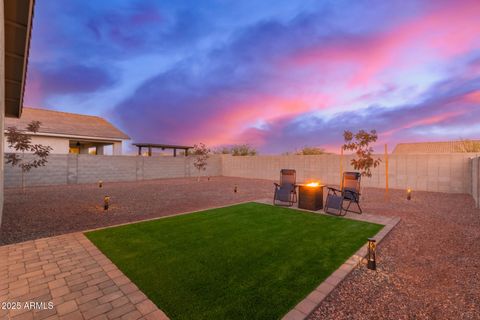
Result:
pixel 276 75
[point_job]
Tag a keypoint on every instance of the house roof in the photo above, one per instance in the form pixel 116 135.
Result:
pixel 64 123
pixel 438 147
pixel 18 16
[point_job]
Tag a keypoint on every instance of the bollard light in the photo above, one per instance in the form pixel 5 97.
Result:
pixel 100 183
pixel 409 194
pixel 106 202
pixel 371 262
pixel 235 190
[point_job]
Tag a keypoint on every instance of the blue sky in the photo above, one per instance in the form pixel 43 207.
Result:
pixel 278 75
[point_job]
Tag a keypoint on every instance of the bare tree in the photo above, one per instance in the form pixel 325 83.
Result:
pixel 200 154
pixel 360 144
pixel 22 142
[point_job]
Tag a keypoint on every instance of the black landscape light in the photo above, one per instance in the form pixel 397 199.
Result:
pixel 106 202
pixel 235 190
pixel 409 194
pixel 100 183
pixel 371 262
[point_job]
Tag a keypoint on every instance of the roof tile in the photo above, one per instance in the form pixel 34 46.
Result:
pixel 57 122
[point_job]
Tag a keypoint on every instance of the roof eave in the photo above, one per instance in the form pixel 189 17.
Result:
pixel 16 69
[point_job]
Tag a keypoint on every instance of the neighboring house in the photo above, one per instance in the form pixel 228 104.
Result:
pixel 15 27
pixel 70 132
pixel 438 147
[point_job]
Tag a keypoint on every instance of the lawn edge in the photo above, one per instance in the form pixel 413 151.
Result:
pixel 310 303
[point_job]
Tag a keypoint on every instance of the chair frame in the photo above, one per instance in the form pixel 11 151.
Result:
pixel 346 195
pixel 293 194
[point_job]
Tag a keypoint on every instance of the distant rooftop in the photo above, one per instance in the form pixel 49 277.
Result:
pixel 64 123
pixel 437 147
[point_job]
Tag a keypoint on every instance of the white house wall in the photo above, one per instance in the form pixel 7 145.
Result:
pixel 59 145
pixel 2 100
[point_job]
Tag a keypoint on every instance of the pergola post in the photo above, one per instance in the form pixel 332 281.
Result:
pixel 149 151
pixel 139 150
pixel 174 152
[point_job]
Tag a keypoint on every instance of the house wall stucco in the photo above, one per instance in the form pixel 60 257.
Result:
pixel 2 102
pixel 59 145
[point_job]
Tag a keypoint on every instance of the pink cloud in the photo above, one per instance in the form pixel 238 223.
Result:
pixel 446 31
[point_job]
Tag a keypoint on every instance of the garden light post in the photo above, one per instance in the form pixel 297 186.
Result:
pixel 409 194
pixel 100 183
pixel 371 262
pixel 106 202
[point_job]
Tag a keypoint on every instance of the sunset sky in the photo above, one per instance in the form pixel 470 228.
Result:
pixel 277 74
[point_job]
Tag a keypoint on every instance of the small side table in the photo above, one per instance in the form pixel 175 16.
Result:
pixel 310 197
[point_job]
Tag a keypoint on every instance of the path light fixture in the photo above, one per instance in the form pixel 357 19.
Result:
pixel 235 190
pixel 106 202
pixel 100 183
pixel 409 194
pixel 371 262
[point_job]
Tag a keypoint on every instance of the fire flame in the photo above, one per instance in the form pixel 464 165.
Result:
pixel 313 184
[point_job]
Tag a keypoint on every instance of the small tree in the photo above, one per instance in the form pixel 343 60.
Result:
pixel 222 150
pixel 237 150
pixel 467 145
pixel 360 144
pixel 200 153
pixel 22 142
pixel 243 150
pixel 310 151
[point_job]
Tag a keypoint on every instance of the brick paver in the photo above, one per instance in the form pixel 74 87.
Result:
pixel 67 277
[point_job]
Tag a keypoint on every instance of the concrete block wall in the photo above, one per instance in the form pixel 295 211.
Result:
pixel 55 172
pixel 73 169
pixel 453 173
pixel 475 169
pixel 423 172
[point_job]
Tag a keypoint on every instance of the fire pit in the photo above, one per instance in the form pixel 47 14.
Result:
pixel 310 196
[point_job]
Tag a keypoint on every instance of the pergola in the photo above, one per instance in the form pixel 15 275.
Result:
pixel 161 146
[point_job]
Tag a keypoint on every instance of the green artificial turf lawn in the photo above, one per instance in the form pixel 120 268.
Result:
pixel 247 261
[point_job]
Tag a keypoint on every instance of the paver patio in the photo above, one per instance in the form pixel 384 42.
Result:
pixel 75 276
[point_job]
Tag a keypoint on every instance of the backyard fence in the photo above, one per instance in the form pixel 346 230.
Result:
pixel 452 173
pixel 426 172
pixel 475 169
pixel 73 169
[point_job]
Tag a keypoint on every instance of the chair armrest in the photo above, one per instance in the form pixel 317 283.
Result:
pixel 334 189
pixel 352 192
pixel 276 184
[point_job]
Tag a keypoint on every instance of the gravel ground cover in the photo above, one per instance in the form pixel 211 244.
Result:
pixel 429 265
pixel 53 210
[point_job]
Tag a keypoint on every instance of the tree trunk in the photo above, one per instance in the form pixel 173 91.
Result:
pixel 23 172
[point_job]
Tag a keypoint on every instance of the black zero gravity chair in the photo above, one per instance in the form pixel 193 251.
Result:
pixel 286 191
pixel 349 194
